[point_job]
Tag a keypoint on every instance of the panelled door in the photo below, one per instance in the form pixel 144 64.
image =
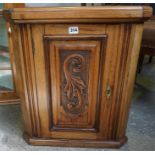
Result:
pixel 73 67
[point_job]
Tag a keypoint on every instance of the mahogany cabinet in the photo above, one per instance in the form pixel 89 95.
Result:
pixel 76 68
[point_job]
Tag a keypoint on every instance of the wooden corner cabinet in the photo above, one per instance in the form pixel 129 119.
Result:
pixel 76 69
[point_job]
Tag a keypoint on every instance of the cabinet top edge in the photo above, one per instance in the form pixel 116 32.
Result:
pixel 101 14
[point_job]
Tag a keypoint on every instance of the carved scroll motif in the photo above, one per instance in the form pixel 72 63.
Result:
pixel 75 86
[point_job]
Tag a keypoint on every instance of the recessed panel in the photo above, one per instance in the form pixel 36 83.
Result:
pixel 74 76
pixel 74 72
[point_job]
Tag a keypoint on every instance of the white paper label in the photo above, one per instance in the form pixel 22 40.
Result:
pixel 73 30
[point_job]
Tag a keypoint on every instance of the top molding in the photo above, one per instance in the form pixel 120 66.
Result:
pixel 102 14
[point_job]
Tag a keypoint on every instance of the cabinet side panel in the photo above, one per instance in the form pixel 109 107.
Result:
pixel 129 78
pixel 123 36
pixel 28 55
pixel 21 80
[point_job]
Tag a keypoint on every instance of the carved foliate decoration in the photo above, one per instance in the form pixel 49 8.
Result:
pixel 75 86
pixel 74 81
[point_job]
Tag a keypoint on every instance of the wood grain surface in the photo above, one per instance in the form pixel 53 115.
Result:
pixel 76 88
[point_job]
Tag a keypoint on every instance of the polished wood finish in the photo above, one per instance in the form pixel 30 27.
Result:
pixel 9 97
pixel 80 14
pixel 13 5
pixel 77 107
pixel 76 88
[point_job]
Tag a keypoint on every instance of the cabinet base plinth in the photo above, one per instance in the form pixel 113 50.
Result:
pixel 74 143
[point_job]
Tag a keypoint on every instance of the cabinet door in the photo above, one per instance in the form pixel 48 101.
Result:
pixel 74 70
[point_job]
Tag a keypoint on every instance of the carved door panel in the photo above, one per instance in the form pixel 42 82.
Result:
pixel 74 71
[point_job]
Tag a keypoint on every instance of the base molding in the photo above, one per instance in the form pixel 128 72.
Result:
pixel 74 143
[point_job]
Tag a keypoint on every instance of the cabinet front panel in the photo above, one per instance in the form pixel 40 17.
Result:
pixel 73 75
